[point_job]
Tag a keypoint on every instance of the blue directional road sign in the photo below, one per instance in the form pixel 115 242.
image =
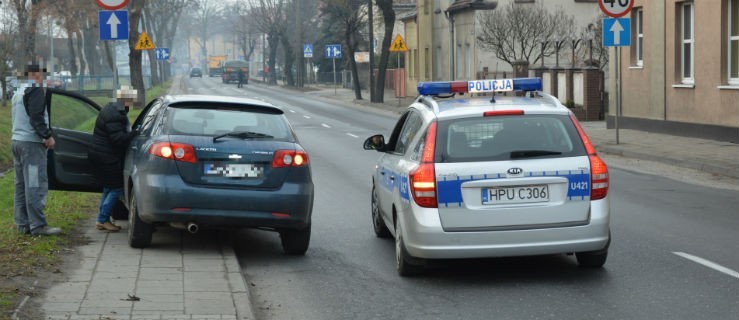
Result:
pixel 616 32
pixel 113 25
pixel 161 53
pixel 308 50
pixel 333 51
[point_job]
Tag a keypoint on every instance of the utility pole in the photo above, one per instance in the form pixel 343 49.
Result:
pixel 370 21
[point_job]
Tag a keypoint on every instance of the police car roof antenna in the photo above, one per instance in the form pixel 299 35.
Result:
pixel 492 100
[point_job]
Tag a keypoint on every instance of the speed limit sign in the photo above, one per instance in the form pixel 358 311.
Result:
pixel 616 8
pixel 112 4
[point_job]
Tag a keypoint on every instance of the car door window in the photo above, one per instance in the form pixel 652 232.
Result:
pixel 149 115
pixel 410 130
pixel 392 142
pixel 70 113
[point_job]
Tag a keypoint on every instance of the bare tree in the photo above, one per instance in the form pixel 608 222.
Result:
pixel 388 18
pixel 597 55
pixel 135 9
pixel 269 18
pixel 518 32
pixel 206 15
pixel 245 31
pixel 8 27
pixel 161 18
pixel 351 19
pixel 27 16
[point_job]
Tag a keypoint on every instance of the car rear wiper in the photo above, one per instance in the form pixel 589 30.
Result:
pixel 532 153
pixel 242 135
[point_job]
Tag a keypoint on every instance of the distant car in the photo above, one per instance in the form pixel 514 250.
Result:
pixel 475 177
pixel 197 161
pixel 196 72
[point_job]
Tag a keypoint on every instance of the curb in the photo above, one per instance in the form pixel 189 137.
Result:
pixel 238 283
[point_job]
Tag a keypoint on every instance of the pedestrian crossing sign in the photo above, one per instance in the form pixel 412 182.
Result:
pixel 144 42
pixel 398 45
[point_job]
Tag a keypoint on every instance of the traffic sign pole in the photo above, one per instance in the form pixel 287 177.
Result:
pixel 617 9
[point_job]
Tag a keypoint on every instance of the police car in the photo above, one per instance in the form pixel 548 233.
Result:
pixel 470 176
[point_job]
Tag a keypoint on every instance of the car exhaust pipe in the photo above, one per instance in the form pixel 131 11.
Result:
pixel 192 227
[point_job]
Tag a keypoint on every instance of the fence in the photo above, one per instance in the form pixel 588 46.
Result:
pixel 85 84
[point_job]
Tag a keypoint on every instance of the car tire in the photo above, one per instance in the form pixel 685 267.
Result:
pixel 295 241
pixel 404 266
pixel 119 211
pixel 139 232
pixel 378 223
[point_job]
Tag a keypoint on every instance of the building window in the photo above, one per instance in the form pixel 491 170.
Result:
pixel 639 35
pixel 687 47
pixel 426 64
pixel 733 46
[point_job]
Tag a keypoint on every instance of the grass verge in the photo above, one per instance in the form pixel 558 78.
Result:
pixel 21 256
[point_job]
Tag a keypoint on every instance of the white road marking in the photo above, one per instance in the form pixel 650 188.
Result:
pixel 712 265
pixel 325 125
pixel 352 135
pixel 293 111
pixel 307 117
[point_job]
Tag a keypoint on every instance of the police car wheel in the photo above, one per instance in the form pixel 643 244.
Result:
pixel 378 224
pixel 405 267
pixel 295 242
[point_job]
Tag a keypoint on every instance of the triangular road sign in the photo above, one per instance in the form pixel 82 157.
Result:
pixel 398 45
pixel 144 42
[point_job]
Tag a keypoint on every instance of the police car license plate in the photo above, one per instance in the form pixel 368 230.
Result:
pixel 514 195
pixel 233 170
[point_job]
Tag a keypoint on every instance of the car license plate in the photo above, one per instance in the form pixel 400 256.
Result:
pixel 233 170
pixel 514 195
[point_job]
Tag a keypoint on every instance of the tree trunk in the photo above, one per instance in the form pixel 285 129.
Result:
pixel 153 62
pixel 351 47
pixel 289 60
pixel 137 78
pixel 388 17
pixel 273 41
pixel 81 47
pixel 72 56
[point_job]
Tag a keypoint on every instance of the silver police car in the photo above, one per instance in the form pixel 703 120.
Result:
pixel 481 176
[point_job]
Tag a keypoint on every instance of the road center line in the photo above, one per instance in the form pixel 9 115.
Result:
pixel 292 111
pixel 307 117
pixel 352 135
pixel 325 125
pixel 712 265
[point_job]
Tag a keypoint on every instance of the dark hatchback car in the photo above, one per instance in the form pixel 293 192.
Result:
pixel 196 72
pixel 197 161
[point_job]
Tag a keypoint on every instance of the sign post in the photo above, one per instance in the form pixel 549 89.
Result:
pixel 398 45
pixel 612 36
pixel 333 52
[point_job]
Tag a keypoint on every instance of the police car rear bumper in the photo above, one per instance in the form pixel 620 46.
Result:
pixel 425 238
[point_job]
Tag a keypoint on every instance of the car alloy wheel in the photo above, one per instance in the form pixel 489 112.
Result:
pixel 405 268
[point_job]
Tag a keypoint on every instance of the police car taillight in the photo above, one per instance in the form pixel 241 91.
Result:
pixel 599 181
pixel 289 158
pixel 423 178
pixel 175 151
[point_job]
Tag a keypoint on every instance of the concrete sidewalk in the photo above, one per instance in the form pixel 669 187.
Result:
pixel 715 157
pixel 181 276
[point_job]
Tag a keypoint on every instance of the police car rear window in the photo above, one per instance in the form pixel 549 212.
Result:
pixel 507 138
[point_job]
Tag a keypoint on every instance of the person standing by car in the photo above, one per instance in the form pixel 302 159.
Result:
pixel 32 138
pixel 240 74
pixel 110 139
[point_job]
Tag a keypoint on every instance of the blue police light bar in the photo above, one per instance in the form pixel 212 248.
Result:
pixel 479 86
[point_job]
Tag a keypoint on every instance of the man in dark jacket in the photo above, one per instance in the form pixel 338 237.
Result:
pixel 110 139
pixel 240 75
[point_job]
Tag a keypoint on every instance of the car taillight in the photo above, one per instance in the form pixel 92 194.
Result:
pixel 423 178
pixel 289 158
pixel 599 181
pixel 175 151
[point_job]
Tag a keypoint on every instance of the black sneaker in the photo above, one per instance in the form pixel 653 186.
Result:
pixel 45 231
pixel 23 230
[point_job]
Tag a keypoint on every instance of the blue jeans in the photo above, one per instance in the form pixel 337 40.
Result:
pixel 108 202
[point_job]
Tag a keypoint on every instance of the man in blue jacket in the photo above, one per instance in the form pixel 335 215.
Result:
pixel 32 138
pixel 110 139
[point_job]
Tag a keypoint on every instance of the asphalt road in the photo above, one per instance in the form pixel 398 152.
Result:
pixel 662 228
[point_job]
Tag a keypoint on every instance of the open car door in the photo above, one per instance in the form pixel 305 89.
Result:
pixel 72 117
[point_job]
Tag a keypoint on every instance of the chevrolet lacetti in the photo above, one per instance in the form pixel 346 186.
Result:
pixel 489 176
pixel 196 161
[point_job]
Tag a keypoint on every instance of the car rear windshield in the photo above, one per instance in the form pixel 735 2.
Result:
pixel 507 138
pixel 218 119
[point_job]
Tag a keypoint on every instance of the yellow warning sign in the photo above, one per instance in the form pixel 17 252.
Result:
pixel 144 42
pixel 398 45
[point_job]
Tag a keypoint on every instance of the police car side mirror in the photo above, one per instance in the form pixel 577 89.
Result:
pixel 376 142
